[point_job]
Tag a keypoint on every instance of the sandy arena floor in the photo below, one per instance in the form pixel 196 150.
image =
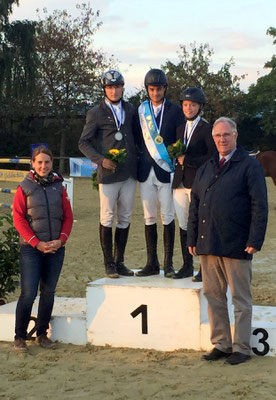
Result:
pixel 87 372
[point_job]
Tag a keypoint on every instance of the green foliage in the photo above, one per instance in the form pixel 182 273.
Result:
pixel 221 88
pixel 17 77
pixel 5 10
pixel 115 155
pixel 138 98
pixel 17 65
pixel 176 149
pixel 69 68
pixel 95 184
pixel 261 99
pixel 9 256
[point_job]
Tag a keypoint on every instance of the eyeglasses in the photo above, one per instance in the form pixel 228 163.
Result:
pixel 223 136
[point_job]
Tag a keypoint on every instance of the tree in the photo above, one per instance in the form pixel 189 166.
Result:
pixel 222 89
pixel 9 257
pixel 69 69
pixel 17 73
pixel 261 99
pixel 5 10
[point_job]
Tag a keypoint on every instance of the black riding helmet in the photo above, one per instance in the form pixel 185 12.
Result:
pixel 156 77
pixel 193 94
pixel 112 78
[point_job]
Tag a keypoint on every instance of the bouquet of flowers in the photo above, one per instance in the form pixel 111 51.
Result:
pixel 176 149
pixel 115 155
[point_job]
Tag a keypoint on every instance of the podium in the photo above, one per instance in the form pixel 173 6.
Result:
pixel 145 312
pixel 142 312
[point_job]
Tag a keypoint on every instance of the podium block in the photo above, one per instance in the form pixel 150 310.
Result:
pixel 145 312
pixel 142 312
pixel 263 331
pixel 67 325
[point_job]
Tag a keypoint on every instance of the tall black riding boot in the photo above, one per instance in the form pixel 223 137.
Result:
pixel 187 269
pixel 168 237
pixel 121 236
pixel 106 243
pixel 152 267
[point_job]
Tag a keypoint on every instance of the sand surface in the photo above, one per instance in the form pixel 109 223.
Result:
pixel 89 372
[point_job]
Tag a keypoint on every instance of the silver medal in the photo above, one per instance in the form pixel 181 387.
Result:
pixel 118 136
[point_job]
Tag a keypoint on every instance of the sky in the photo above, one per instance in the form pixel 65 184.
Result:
pixel 144 34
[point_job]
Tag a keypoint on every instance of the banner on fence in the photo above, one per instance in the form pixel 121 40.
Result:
pixel 12 176
pixel 82 167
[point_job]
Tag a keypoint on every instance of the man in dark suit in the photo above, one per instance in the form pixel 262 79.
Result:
pixel 196 133
pixel 159 119
pixel 111 125
pixel 227 224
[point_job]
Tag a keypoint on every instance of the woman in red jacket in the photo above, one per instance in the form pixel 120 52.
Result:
pixel 43 217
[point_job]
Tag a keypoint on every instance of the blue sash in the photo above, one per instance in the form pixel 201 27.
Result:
pixel 157 151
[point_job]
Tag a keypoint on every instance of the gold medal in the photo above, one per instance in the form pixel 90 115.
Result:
pixel 158 139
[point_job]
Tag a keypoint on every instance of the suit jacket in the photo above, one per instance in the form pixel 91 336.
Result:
pixel 98 138
pixel 172 118
pixel 228 211
pixel 200 149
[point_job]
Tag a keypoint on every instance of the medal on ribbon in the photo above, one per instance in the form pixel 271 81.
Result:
pixel 118 121
pixel 153 139
pixel 158 139
pixel 118 136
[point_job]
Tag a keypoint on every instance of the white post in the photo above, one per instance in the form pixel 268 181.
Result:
pixel 69 186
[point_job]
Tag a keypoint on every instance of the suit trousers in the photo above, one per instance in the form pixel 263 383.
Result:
pixel 120 195
pixel 217 274
pixel 153 192
pixel 181 200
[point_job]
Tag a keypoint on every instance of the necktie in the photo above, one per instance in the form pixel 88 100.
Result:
pixel 221 162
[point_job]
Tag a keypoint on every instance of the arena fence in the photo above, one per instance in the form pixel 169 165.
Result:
pixel 8 175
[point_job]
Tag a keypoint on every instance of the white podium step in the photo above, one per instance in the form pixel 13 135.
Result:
pixel 162 314
pixel 145 312
pixel 68 322
pixel 142 312
pixel 263 331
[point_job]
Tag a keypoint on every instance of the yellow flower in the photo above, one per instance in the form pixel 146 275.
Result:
pixel 175 144
pixel 114 151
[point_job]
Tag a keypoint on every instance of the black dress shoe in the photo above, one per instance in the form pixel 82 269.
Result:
pixel 197 277
pixel 237 358
pixel 215 355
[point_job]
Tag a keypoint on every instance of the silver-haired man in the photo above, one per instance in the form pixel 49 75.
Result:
pixel 227 224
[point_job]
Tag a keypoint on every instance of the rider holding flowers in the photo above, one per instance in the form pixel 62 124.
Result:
pixel 196 136
pixel 108 140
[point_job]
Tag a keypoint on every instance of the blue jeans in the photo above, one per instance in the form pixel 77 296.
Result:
pixel 37 268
